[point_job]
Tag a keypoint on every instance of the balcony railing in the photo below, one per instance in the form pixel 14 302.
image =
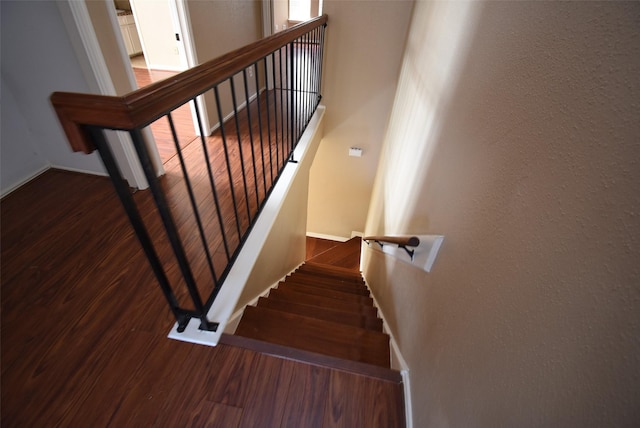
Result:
pixel 263 96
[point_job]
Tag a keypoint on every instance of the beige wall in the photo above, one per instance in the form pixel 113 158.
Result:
pixel 363 53
pixel 280 14
pixel 527 161
pixel 99 13
pixel 219 27
pixel 285 248
pixel 157 33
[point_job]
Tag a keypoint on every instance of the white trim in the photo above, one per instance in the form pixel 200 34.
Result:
pixel 81 171
pixel 103 79
pixel 25 180
pixel 355 233
pixel 267 18
pixel 227 299
pixel 191 57
pixel 329 237
pixel 397 357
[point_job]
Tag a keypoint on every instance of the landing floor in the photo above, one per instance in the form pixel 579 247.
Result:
pixel 83 334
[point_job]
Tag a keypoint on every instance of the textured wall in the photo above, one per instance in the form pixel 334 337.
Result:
pixel 524 152
pixel 364 46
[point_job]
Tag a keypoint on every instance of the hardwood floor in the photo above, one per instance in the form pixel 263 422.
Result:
pixel 83 334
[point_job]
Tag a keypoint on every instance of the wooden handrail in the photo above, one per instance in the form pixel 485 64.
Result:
pixel 143 106
pixel 408 241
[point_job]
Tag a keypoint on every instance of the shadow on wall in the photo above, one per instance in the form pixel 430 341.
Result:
pixel 429 75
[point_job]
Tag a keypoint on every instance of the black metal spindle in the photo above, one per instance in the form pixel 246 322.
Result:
pixel 275 103
pixel 226 157
pixel 259 101
pixel 170 229
pixel 244 173
pixel 212 184
pixel 192 199
pixel 97 137
pixel 284 118
pixel 253 154
pixel 266 76
pixel 292 98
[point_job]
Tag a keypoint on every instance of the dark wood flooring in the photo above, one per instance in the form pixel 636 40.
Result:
pixel 83 334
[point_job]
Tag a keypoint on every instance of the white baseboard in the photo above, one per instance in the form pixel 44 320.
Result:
pixel 160 67
pixel 24 181
pixel 329 237
pixel 397 363
pixel 81 171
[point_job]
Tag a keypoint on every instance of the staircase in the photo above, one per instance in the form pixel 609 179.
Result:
pixel 324 307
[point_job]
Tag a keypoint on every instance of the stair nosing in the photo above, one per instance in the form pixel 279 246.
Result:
pixel 313 358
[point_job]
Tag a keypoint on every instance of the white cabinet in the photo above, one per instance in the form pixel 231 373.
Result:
pixel 130 34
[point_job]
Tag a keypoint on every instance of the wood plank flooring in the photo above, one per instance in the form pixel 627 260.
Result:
pixel 83 334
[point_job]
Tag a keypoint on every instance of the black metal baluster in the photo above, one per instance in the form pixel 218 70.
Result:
pixel 226 157
pixel 97 137
pixel 275 102
pixel 192 199
pixel 253 154
pixel 214 190
pixel 283 110
pixel 266 75
pixel 244 174
pixel 259 101
pixel 170 229
pixel 292 98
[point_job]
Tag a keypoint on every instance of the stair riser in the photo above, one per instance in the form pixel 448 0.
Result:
pixel 340 317
pixel 322 302
pixel 358 291
pixel 317 271
pixel 317 291
pixel 328 279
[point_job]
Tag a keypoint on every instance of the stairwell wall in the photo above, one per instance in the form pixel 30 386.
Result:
pixel 521 147
pixel 363 53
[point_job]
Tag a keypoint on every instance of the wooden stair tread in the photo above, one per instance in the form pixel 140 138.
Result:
pixel 326 292
pixel 333 315
pixel 313 358
pixel 315 335
pixel 321 301
pixel 345 255
pixel 358 291
pixel 336 270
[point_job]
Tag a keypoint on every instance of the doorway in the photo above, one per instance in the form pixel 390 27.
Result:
pixel 153 39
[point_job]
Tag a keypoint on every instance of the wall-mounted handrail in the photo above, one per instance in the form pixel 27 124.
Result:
pixel 143 106
pixel 401 241
pixel 408 241
pixel 193 224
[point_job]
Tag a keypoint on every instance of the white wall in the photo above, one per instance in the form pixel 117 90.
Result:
pixel 20 158
pixel 515 133
pixel 37 60
pixel 157 34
